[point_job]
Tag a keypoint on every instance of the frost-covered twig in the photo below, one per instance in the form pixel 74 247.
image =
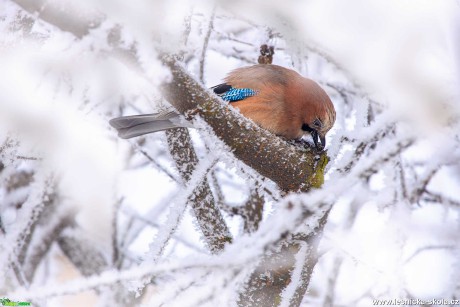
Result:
pixel 252 211
pixel 331 282
pixel 86 258
pixel 210 220
pixel 48 232
pixel 205 44
pixel 149 221
pixel 19 238
pixel 135 225
pixel 230 261
pixel 428 248
pixel 165 233
pixel 116 257
pixel 155 163
pixel 432 197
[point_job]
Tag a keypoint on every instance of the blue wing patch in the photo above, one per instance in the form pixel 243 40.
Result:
pixel 230 94
pixel 235 94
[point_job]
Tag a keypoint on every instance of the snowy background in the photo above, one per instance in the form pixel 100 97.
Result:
pixel 87 218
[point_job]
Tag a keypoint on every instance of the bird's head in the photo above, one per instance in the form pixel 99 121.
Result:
pixel 320 124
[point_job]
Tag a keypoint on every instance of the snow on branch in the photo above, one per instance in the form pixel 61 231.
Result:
pixel 272 157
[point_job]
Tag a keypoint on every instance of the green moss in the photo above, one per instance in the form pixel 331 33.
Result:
pixel 317 178
pixel 278 300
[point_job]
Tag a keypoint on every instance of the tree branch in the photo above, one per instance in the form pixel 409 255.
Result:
pixel 210 220
pixel 272 157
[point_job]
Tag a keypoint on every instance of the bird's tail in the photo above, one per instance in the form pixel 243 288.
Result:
pixel 136 125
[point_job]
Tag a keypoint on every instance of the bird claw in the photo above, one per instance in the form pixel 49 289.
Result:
pixel 301 142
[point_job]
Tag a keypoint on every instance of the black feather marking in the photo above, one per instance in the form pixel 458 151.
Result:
pixel 306 128
pixel 221 88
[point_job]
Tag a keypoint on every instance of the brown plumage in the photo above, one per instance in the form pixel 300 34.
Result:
pixel 286 103
pixel 280 100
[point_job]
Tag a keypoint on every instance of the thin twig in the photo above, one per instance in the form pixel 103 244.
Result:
pixel 156 164
pixel 205 44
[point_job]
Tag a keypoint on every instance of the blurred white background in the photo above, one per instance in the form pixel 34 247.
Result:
pixel 67 67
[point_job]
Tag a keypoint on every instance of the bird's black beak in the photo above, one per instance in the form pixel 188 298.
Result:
pixel 316 136
pixel 323 141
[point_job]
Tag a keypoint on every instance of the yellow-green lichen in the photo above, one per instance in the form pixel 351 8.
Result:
pixel 317 178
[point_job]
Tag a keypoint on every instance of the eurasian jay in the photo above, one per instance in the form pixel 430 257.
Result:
pixel 275 98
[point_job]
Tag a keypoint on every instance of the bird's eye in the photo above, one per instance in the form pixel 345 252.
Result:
pixel 307 128
pixel 317 123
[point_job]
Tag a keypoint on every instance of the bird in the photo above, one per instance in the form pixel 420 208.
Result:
pixel 276 98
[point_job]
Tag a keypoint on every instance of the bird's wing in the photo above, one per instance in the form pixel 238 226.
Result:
pixel 232 94
pixel 265 82
pixel 221 88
